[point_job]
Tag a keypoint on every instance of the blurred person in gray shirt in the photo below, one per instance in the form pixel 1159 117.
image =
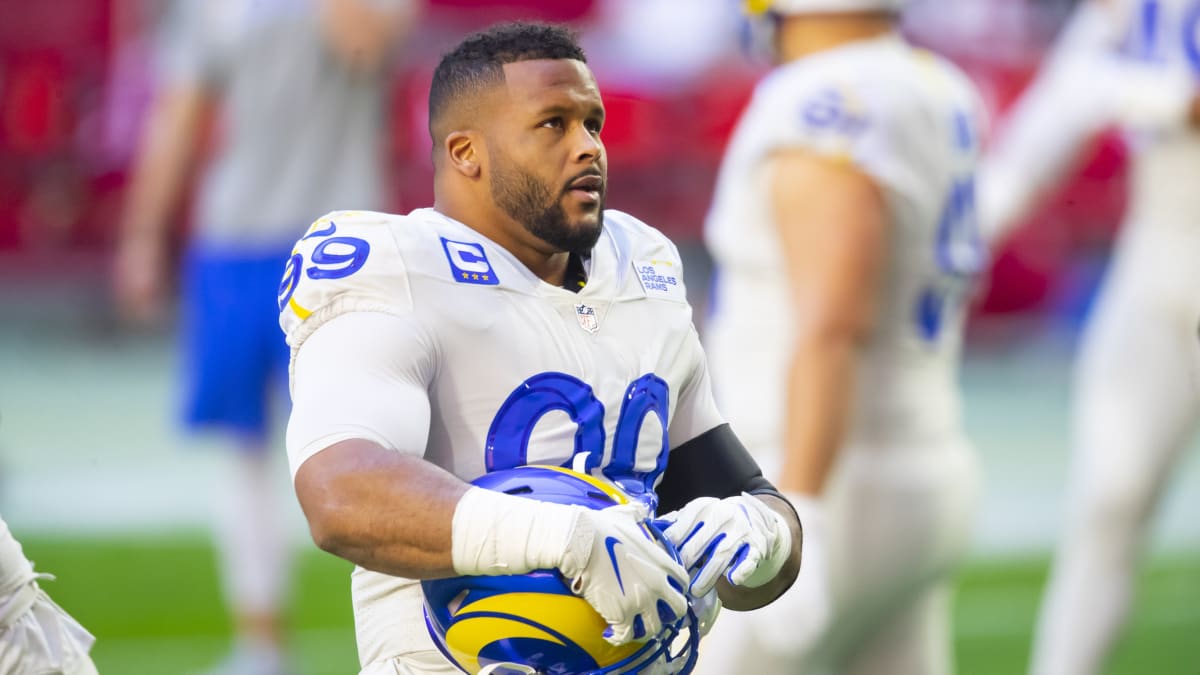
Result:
pixel 297 90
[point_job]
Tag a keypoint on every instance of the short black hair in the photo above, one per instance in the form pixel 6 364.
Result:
pixel 478 61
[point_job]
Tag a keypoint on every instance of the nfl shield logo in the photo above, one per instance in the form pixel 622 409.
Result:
pixel 587 318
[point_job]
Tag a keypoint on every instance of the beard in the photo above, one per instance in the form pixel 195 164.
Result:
pixel 534 205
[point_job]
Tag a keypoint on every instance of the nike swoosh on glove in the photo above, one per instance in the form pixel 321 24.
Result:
pixel 739 537
pixel 624 573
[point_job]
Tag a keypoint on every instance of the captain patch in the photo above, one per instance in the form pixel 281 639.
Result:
pixel 469 263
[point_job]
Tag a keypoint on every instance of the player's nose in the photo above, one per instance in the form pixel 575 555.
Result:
pixel 588 147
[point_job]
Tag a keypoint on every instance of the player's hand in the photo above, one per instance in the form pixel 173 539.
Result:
pixel 738 537
pixel 616 565
pixel 140 279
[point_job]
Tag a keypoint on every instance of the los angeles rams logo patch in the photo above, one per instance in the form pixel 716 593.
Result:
pixel 661 279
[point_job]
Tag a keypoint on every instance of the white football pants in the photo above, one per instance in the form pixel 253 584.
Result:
pixel 897 524
pixel 1137 395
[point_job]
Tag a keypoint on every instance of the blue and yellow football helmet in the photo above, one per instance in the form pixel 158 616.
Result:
pixel 533 623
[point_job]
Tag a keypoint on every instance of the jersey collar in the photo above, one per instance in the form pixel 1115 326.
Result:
pixel 512 273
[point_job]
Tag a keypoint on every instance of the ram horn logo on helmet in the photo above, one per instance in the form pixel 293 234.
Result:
pixel 532 623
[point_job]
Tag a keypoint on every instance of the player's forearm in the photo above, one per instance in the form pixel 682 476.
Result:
pixel 1045 134
pixel 1072 99
pixel 382 510
pixel 741 598
pixel 168 144
pixel 820 390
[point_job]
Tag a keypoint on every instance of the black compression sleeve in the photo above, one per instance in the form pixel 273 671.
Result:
pixel 713 464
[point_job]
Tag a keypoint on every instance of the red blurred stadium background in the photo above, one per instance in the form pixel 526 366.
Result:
pixel 75 82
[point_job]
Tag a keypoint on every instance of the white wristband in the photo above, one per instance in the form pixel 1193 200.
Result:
pixel 494 533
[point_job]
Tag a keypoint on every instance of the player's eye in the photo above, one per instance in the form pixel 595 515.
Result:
pixel 594 125
pixel 552 123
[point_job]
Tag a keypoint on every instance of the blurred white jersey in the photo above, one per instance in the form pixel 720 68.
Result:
pixel 1164 37
pixel 1147 55
pixel 903 486
pixel 1134 64
pixel 509 370
pixel 911 121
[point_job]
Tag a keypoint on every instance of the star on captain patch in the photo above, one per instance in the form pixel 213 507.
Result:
pixel 587 318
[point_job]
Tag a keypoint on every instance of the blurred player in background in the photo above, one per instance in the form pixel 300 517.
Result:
pixel 36 635
pixel 515 322
pixel 298 89
pixel 1137 393
pixel 844 233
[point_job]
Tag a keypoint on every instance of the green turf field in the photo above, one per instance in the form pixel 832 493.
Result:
pixel 155 607
pixel 997 603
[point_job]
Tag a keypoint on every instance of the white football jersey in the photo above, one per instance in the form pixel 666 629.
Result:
pixel 516 370
pixel 1158 43
pixel 1129 63
pixel 911 121
pixel 1164 35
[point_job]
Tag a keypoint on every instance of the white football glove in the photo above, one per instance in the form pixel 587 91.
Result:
pixel 609 556
pixel 619 568
pixel 739 537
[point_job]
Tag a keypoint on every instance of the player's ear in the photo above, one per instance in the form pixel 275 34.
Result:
pixel 463 152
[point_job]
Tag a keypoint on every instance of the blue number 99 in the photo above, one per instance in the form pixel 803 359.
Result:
pixel 508 437
pixel 338 257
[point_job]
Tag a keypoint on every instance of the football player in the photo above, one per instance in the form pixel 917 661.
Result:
pixel 36 635
pixel 298 89
pixel 515 322
pixel 844 232
pixel 1133 64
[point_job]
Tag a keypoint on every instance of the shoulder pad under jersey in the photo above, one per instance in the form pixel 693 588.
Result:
pixel 346 261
